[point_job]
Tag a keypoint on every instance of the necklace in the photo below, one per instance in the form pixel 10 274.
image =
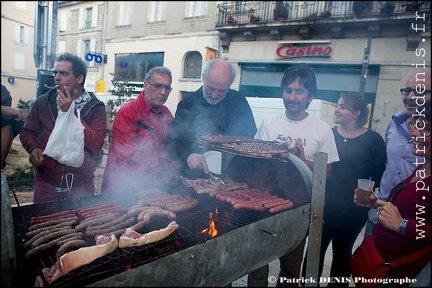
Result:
pixel 347 135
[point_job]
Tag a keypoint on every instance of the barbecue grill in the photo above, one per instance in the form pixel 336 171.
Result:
pixel 191 256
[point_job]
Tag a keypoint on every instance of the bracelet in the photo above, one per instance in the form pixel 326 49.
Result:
pixel 402 227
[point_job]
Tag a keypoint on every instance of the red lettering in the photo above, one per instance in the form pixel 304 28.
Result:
pixel 291 51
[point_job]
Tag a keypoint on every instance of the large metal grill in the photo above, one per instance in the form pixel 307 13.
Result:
pixel 190 256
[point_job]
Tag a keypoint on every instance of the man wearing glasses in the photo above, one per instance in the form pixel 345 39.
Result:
pixel 137 158
pixel 400 160
pixel 212 109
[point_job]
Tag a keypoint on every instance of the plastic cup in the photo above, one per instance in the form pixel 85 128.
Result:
pixel 366 184
pixel 364 188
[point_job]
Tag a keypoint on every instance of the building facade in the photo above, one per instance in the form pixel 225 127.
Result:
pixel 371 47
pixel 18 70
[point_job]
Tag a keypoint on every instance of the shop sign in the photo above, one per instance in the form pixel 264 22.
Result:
pixel 304 49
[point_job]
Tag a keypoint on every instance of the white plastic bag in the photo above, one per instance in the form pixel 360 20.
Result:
pixel 66 142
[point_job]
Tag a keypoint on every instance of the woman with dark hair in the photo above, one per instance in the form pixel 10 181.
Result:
pixel 362 155
pixel 404 218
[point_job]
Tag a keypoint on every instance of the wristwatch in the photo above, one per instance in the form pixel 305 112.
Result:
pixel 402 227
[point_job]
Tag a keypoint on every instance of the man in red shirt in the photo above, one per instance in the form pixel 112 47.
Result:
pixel 137 157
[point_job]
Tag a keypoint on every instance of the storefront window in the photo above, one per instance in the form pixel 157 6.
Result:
pixel 134 66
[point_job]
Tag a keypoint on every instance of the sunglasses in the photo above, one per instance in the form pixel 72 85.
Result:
pixel 407 91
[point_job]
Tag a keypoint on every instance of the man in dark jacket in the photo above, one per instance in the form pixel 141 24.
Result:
pixel 212 109
pixel 55 181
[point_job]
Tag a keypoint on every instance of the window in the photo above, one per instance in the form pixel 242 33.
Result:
pixel 21 34
pixel 240 6
pixel 195 9
pixel 19 61
pixel 88 19
pixel 63 21
pixel 124 13
pixel 134 66
pixel 157 11
pixel 193 64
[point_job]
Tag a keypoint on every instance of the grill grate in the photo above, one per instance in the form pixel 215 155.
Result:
pixel 118 261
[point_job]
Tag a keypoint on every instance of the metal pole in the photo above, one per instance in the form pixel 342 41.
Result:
pixel 319 177
pixel 45 35
pixel 365 65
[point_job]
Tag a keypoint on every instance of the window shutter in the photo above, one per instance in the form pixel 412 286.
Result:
pixel 63 21
pixel 79 44
pixel 17 36
pixel 81 19
pixel 94 16
pixel 92 49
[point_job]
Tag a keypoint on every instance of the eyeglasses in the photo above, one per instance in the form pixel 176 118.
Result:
pixel 159 87
pixel 419 125
pixel 407 91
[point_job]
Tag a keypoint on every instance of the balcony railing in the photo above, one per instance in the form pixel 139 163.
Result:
pixel 256 12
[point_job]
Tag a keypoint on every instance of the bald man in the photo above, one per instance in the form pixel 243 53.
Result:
pixel 213 109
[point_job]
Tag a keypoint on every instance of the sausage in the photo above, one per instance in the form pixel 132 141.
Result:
pixel 118 226
pixel 135 211
pixel 156 213
pixel 73 236
pixel 72 244
pixel 103 211
pixel 183 207
pixel 39 219
pixel 275 203
pixel 52 222
pixel 248 205
pixel 32 252
pixel 51 244
pixel 180 201
pixel 99 216
pixel 60 225
pixel 232 199
pixel 282 207
pixel 97 220
pixel 138 226
pixel 122 218
pixel 95 207
pixel 266 201
pixel 51 236
pixel 42 234
pixel 144 212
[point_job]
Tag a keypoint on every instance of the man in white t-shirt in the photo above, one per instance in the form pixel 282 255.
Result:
pixel 305 136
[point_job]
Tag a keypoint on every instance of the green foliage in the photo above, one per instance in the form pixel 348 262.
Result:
pixel 123 93
pixel 362 7
pixel 388 7
pixel 280 10
pixel 21 178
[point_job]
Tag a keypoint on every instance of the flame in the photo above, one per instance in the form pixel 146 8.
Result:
pixel 211 231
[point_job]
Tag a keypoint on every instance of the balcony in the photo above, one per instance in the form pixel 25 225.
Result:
pixel 256 20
